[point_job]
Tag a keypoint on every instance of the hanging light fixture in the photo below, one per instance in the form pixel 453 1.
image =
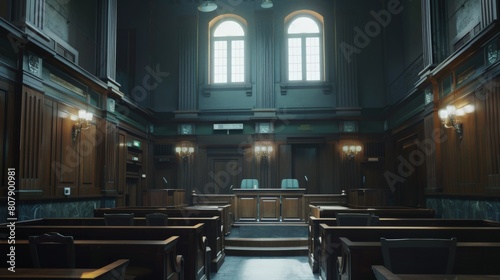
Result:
pixel 207 6
pixel 266 4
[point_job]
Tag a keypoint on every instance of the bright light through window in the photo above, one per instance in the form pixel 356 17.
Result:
pixel 304 50
pixel 228 59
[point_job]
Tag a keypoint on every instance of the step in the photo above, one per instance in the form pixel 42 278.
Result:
pixel 266 251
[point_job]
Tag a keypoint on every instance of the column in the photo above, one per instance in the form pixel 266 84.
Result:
pixel 188 61
pixel 264 47
pixel 347 93
pixel 106 43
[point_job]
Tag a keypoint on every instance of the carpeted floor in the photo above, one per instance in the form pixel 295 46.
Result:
pixel 265 268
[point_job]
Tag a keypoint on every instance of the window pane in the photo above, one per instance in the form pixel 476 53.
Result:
pixel 229 28
pixel 238 61
pixel 220 62
pixel 312 59
pixel 303 25
pixel 294 59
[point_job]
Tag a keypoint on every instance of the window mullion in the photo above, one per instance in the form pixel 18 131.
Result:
pixel 229 60
pixel 304 58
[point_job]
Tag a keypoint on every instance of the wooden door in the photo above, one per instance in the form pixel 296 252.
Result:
pixel 305 165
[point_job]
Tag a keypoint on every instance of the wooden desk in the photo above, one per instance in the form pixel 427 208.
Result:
pixel 382 273
pixel 271 204
pixel 115 270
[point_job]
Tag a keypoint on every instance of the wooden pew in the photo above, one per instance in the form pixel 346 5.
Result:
pixel 154 259
pixel 191 244
pixel 471 258
pixel 114 270
pixel 330 238
pixel 314 247
pixel 211 229
pixel 184 212
pixel 330 211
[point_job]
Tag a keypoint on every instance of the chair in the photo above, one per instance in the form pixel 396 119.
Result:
pixel 249 184
pixel 357 219
pixel 52 250
pixel 419 255
pixel 120 219
pixel 157 219
pixel 289 183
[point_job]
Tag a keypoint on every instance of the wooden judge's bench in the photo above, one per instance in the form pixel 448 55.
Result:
pixel 269 204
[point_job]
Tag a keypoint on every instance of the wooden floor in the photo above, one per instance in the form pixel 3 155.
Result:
pixel 265 268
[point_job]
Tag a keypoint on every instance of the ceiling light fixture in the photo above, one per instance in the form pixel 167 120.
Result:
pixel 207 6
pixel 266 4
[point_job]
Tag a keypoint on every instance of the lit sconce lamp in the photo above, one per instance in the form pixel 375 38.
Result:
pixel 352 150
pixel 82 123
pixel 184 151
pixel 451 117
pixel 263 150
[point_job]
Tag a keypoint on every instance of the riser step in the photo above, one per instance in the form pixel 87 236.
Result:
pixel 260 251
pixel 266 243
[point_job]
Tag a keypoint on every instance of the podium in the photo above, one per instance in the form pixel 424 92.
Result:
pixel 270 204
pixel 164 197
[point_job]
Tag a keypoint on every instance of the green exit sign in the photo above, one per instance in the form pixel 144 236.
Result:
pixel 136 143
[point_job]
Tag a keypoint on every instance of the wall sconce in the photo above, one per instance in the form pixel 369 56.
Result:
pixel 451 117
pixel 83 122
pixel 263 150
pixel 352 150
pixel 184 151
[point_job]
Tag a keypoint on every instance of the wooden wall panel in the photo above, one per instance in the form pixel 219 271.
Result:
pixel 31 136
pixel 430 154
pixel 306 163
pixel 48 148
pixel 491 98
pixel 66 150
pixel 109 147
pixel 87 152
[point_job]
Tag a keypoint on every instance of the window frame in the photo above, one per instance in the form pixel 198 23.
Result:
pixel 212 39
pixel 303 36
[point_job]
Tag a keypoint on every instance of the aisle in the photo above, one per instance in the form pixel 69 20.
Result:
pixel 265 268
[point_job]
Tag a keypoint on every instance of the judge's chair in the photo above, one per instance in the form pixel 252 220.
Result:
pixel 52 250
pixel 119 219
pixel 249 184
pixel 419 255
pixel 157 219
pixel 356 219
pixel 289 184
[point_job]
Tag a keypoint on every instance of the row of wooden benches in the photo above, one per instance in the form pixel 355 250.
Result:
pixel 194 235
pixel 348 252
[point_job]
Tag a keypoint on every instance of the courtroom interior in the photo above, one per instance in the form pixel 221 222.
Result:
pixel 186 139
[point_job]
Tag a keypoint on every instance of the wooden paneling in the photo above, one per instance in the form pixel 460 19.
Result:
pixel 66 149
pixel 292 208
pixel 88 166
pixel 108 147
pixel 247 208
pixel 492 125
pixel 306 163
pixel 31 135
pixel 269 207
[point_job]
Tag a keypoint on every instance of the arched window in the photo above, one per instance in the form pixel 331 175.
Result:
pixel 304 33
pixel 228 51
